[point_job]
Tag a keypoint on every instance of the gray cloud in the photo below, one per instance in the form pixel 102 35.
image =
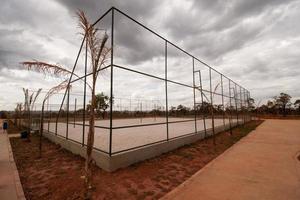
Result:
pixel 253 42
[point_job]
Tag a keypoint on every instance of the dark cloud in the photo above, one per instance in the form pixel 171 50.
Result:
pixel 95 8
pixel 253 42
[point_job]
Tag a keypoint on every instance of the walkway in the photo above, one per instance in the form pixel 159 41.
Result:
pixel 263 165
pixel 10 186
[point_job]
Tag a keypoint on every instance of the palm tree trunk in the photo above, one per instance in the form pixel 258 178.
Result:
pixel 29 125
pixel 90 144
pixel 41 129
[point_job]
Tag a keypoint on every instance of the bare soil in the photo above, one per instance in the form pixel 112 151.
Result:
pixel 57 175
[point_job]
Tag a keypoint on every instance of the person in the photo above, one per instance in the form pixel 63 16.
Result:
pixel 5 126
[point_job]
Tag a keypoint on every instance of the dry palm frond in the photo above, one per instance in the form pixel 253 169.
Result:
pixel 83 22
pixel 96 43
pixel 25 91
pixel 35 97
pixel 46 68
pixel 104 58
pixel 63 85
pixel 49 69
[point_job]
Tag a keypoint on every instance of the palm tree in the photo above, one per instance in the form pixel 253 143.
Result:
pixel 29 101
pixel 18 111
pixel 99 54
pixel 49 69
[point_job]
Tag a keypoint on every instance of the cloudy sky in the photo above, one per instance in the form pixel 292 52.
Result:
pixel 255 43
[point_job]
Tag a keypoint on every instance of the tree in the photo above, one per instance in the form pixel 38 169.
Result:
pixel 182 110
pixel 282 101
pixel 98 54
pixel 18 111
pixel 297 103
pixel 29 101
pixel 101 104
pixel 251 103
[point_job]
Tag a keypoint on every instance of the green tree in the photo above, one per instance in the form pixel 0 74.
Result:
pixel 101 104
pixel 182 110
pixel 282 101
pixel 297 103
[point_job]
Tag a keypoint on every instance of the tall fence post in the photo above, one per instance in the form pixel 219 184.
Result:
pixel 166 87
pixel 203 114
pixel 248 100
pixel 236 104
pixel 195 113
pixel 84 91
pixel 212 107
pixel 223 107
pixel 75 105
pixel 230 109
pixel 68 100
pixel 111 82
pixel 241 104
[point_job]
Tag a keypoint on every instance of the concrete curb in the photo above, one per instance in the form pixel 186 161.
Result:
pixel 18 185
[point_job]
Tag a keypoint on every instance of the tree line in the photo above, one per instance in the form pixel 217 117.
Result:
pixel 278 105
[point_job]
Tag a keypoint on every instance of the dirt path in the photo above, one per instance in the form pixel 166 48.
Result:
pixel 263 165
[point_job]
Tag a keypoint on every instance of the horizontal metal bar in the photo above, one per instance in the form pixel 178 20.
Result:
pixel 89 74
pixel 96 126
pixel 102 16
pixel 77 142
pixel 129 149
pixel 139 125
pixel 171 43
pixel 162 79
pixel 152 124
pixel 100 150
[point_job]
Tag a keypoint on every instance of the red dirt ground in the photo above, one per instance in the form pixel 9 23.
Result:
pixel 57 175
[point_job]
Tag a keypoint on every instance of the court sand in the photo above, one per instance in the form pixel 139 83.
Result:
pixel 131 137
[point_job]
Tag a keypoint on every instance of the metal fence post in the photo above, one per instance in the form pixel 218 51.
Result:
pixel 166 87
pixel 84 91
pixel 204 121
pixel 68 100
pixel 236 104
pixel 212 107
pixel 241 104
pixel 75 105
pixel 195 114
pixel 223 100
pixel 111 81
pixel 230 109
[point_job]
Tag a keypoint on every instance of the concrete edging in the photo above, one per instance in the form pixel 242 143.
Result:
pixel 121 160
pixel 18 184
